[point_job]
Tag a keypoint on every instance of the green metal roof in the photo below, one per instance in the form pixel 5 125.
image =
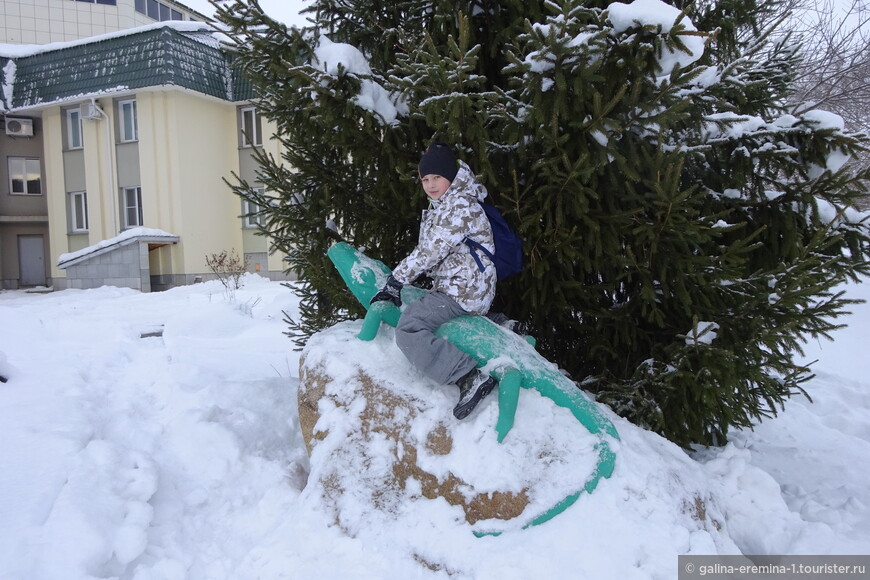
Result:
pixel 153 57
pixel 243 90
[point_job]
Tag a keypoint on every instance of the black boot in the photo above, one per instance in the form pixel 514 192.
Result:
pixel 473 387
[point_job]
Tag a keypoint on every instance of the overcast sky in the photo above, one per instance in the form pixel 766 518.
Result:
pixel 287 11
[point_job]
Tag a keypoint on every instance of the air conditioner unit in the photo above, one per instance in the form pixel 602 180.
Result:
pixel 89 110
pixel 16 127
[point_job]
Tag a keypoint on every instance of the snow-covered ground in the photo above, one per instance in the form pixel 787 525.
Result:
pixel 156 437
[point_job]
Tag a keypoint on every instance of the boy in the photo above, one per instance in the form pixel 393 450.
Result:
pixel 460 286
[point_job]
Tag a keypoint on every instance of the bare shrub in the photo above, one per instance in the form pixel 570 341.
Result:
pixel 229 269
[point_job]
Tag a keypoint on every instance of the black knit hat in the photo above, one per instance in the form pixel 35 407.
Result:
pixel 439 160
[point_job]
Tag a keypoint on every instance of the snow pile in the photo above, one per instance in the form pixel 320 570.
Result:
pixel 369 426
pixel 825 120
pixel 655 13
pixel 332 57
pixel 118 447
pixel 180 457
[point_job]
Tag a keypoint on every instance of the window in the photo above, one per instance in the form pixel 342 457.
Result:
pixel 131 206
pixel 251 128
pixel 129 121
pixel 251 216
pixel 156 10
pixel 106 2
pixel 25 176
pixel 78 211
pixel 73 129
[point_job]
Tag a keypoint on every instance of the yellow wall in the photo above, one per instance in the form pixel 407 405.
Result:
pixel 54 189
pixel 101 175
pixel 187 145
pixel 272 146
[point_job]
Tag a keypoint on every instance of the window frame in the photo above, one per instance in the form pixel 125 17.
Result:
pixel 22 174
pixel 128 110
pixel 249 207
pixel 137 207
pixel 74 129
pixel 78 212
pixel 155 10
pixel 250 116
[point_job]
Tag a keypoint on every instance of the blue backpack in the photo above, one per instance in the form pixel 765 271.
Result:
pixel 508 257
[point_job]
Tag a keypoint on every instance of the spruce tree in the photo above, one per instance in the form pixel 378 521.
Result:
pixel 684 234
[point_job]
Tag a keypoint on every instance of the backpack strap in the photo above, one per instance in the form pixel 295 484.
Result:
pixel 473 246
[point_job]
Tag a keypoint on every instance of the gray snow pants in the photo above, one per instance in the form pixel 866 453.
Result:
pixel 415 337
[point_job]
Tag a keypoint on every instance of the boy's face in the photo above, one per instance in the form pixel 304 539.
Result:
pixel 434 185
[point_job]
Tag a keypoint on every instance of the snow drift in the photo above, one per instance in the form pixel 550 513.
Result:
pixel 181 457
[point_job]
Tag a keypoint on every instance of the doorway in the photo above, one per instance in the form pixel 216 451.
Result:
pixel 31 260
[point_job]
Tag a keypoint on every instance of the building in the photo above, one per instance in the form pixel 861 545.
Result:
pixel 47 21
pixel 114 151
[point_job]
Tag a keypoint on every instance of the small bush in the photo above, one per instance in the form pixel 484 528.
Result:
pixel 229 268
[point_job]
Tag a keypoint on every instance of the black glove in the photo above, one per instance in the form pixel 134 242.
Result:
pixel 391 291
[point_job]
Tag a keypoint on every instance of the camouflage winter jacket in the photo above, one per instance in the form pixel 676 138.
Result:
pixel 441 252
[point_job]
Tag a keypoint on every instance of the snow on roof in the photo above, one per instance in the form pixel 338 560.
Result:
pixel 163 54
pixel 23 50
pixel 125 238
